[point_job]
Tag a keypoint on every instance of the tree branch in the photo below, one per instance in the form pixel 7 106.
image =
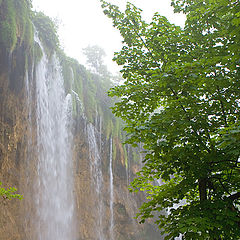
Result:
pixel 222 108
pixel 202 186
pixel 235 196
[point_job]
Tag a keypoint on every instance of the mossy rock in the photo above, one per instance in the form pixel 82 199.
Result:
pixel 15 24
pixel 47 31
pixel 37 52
pixel 8 26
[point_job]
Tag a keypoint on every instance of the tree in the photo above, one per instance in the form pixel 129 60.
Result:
pixel 95 55
pixel 180 99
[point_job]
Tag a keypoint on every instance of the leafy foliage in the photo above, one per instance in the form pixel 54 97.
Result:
pixel 9 193
pixel 180 99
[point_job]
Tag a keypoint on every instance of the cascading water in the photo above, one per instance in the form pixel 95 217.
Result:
pixel 97 178
pixel 111 230
pixel 29 187
pixel 55 202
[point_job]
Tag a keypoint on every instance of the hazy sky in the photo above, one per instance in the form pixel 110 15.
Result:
pixel 82 23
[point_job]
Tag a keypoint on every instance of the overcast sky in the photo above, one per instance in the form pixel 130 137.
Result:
pixel 82 23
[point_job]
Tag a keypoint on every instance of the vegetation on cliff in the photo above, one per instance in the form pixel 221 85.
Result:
pixel 15 24
pixel 180 99
pixel 47 31
pixel 9 193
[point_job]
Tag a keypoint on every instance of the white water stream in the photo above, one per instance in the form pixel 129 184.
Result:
pixel 111 187
pixel 54 201
pixel 97 178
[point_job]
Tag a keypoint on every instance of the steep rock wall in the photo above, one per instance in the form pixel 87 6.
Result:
pixel 14 43
pixel 125 206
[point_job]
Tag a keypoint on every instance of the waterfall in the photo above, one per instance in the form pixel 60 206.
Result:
pixel 28 190
pixel 111 192
pixel 54 201
pixel 97 178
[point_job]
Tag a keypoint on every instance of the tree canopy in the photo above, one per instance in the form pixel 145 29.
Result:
pixel 95 55
pixel 181 99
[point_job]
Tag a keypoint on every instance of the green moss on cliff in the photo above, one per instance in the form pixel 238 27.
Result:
pixel 15 24
pixel 25 28
pixel 89 89
pixel 8 26
pixel 37 52
pixel 67 71
pixel 47 31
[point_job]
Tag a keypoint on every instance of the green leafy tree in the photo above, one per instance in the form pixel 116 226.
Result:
pixel 95 55
pixel 180 99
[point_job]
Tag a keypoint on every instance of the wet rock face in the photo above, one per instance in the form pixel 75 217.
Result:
pixel 13 135
pixel 17 69
pixel 18 161
pixel 125 204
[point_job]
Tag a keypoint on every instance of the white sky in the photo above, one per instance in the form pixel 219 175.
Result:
pixel 83 23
